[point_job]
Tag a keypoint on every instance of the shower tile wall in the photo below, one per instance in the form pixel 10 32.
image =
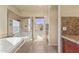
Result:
pixel 71 24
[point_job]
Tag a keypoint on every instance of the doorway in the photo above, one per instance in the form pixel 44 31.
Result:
pixel 39 28
pixel 36 28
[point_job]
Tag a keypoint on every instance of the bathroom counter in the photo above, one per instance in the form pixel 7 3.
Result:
pixel 72 38
pixel 70 43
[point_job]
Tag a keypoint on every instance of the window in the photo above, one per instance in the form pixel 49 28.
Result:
pixel 39 21
pixel 16 25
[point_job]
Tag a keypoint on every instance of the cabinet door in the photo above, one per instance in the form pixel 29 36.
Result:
pixel 70 47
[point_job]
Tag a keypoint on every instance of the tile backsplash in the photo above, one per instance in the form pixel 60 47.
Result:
pixel 70 25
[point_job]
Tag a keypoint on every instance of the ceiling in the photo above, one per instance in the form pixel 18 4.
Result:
pixel 32 7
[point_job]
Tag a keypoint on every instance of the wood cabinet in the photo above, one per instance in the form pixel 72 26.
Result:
pixel 70 47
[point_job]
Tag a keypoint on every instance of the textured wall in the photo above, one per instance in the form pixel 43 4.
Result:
pixel 71 24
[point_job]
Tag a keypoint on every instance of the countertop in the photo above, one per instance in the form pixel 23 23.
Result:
pixel 72 38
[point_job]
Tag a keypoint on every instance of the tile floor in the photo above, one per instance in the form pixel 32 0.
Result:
pixel 37 47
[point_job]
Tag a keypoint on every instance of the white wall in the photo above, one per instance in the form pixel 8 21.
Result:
pixel 70 10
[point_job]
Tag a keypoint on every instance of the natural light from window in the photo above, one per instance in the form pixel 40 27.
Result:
pixel 16 25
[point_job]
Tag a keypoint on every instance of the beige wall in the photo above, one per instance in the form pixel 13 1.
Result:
pixel 70 10
pixel 3 21
pixel 13 9
pixel 53 25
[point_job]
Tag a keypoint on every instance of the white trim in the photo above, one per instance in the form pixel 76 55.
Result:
pixel 49 43
pixel 59 31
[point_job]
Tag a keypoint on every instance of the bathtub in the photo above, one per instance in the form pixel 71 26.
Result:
pixel 11 44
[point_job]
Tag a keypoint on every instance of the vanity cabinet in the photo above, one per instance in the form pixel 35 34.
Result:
pixel 70 47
